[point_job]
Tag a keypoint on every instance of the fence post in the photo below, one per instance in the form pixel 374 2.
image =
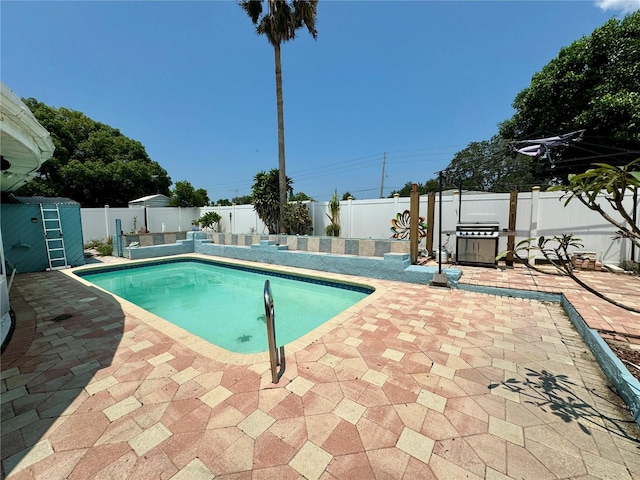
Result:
pixel 431 220
pixel 106 219
pixel 511 239
pixel 533 223
pixel 233 223
pixel 350 203
pixel 414 212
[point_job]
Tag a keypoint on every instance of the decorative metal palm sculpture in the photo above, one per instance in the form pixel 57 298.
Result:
pixel 400 226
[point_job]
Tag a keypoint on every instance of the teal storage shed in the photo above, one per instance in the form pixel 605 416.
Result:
pixel 33 243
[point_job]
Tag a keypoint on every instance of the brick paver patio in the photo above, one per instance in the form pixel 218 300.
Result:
pixel 421 383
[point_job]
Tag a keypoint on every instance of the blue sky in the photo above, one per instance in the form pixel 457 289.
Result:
pixel 195 85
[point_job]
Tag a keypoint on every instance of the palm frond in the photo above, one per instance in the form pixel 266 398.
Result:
pixel 305 12
pixel 253 8
pixel 283 18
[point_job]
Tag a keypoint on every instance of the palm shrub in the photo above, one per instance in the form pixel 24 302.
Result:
pixel 333 229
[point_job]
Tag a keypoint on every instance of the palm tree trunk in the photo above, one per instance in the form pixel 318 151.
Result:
pixel 282 175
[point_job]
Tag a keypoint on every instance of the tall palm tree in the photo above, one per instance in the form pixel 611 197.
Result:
pixel 279 24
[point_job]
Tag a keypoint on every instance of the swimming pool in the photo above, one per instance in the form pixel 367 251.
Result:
pixel 223 303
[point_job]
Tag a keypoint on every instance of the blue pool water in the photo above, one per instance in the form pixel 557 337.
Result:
pixel 224 303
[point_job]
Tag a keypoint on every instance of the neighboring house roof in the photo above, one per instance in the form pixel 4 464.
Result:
pixel 24 144
pixel 43 200
pixel 157 200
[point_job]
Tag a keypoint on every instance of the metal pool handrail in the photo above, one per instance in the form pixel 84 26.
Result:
pixel 276 355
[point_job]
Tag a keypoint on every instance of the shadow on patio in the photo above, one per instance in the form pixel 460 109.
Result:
pixel 59 344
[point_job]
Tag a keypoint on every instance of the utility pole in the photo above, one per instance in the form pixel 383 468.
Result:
pixel 384 159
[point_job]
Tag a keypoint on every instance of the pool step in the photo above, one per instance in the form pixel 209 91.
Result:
pixel 269 245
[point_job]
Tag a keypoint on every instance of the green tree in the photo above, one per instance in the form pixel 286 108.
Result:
pixel 243 200
pixel 346 196
pixel 617 182
pixel 300 197
pixel 489 166
pixel 279 25
pixel 431 185
pixel 93 163
pixel 593 84
pixel 266 198
pixel 225 202
pixel 185 195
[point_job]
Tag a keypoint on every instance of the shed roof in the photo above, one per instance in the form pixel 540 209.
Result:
pixel 149 197
pixel 43 200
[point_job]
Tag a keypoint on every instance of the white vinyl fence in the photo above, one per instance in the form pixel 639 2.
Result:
pixel 538 214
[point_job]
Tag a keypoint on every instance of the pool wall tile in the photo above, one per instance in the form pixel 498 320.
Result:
pixel 366 248
pixel 169 238
pixel 324 245
pixel 353 246
pixel 158 239
pixel 146 240
pixel 398 246
pixel 393 266
pixel 381 248
pixel 149 239
pixel 291 242
pixel 313 244
pixel 337 245
pixel 179 248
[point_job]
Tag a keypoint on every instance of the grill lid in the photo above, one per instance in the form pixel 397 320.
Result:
pixel 487 230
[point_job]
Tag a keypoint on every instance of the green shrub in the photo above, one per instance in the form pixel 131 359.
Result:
pixel 209 220
pixel 332 230
pixel 104 248
pixel 297 220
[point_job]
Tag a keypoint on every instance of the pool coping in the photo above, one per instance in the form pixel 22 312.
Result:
pixel 214 352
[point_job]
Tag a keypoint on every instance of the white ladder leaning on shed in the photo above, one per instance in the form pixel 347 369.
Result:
pixel 53 237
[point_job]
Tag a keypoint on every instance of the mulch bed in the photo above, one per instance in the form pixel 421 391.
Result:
pixel 628 356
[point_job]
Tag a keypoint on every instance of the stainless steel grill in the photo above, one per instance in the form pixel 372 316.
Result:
pixel 477 243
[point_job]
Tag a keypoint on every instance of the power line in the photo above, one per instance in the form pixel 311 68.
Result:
pixel 327 169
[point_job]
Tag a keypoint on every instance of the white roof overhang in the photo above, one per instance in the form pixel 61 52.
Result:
pixel 24 144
